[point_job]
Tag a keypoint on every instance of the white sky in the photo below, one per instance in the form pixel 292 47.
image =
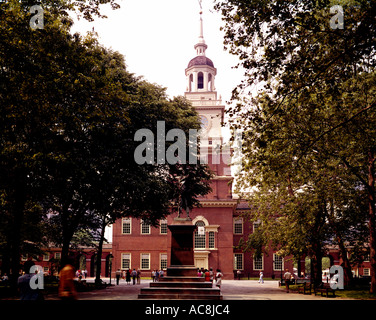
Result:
pixel 157 39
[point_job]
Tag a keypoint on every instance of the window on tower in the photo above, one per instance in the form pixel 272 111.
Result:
pixel 200 80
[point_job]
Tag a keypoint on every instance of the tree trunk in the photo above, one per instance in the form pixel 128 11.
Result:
pixel 346 262
pixel 15 237
pixel 341 245
pixel 99 253
pixel 316 263
pixel 372 224
pixel 67 237
pixel 65 251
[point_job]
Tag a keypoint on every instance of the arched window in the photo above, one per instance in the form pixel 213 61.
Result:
pixel 210 82
pixel 200 80
pixel 200 239
pixel 190 83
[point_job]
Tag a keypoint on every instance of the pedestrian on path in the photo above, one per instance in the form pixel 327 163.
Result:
pixel 261 280
pixel 138 276
pixel 128 276
pixel 218 278
pixel 207 275
pixel 287 277
pixel 134 276
pixel 118 274
pixel 25 289
pixel 67 290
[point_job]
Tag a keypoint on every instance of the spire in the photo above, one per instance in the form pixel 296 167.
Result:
pixel 201 45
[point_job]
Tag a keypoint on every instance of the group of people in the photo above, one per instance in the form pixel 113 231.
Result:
pixel 287 276
pixel 156 275
pixel 134 274
pixel 210 276
pixel 81 274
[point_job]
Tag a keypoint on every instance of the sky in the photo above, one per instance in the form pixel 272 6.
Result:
pixel 157 39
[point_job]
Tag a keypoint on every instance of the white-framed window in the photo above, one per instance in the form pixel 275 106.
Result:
pixel 126 227
pixel 256 225
pixel 45 269
pixel 238 261
pixel 163 227
pixel 126 261
pixel 258 263
pixel 277 262
pixel 57 255
pixel 211 239
pixel 366 272
pixel 46 257
pixel 200 239
pixel 238 225
pixel 145 227
pixel 163 261
pixel 145 261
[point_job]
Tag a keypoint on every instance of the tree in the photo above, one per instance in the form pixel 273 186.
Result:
pixel 314 114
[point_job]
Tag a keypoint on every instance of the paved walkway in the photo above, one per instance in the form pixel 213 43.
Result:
pixel 231 290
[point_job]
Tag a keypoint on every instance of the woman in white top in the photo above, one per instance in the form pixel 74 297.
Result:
pixel 218 278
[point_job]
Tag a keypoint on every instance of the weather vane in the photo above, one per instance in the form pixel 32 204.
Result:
pixel 200 3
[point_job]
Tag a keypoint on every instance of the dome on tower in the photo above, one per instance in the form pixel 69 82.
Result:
pixel 201 61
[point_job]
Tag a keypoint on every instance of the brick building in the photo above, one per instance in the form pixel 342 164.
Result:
pixel 138 245
pixel 220 225
pixel 84 258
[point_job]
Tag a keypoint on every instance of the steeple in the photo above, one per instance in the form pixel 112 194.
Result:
pixel 201 45
pixel 201 71
pixel 201 91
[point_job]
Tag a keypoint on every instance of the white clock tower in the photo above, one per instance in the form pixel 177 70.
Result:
pixel 201 92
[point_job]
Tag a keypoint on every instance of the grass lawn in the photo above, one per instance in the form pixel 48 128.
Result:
pixel 361 293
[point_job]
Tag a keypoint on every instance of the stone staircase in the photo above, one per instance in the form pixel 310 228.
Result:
pixel 181 287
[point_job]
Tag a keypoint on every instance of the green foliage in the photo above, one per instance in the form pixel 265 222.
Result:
pixel 309 129
pixel 69 112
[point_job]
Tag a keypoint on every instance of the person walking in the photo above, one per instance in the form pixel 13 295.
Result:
pixel 138 276
pixel 207 275
pixel 25 289
pixel 67 290
pixel 211 275
pixel 287 277
pixel 218 278
pixel 128 276
pixel 261 280
pixel 134 276
pixel 118 275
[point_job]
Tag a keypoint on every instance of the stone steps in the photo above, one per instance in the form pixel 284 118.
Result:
pixel 181 279
pixel 180 293
pixel 179 296
pixel 177 284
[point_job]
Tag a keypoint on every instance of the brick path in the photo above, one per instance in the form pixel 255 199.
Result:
pixel 231 290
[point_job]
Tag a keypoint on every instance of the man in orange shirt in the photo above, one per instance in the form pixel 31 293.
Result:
pixel 67 290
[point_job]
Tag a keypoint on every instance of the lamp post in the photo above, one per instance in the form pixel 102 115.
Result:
pixel 110 265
